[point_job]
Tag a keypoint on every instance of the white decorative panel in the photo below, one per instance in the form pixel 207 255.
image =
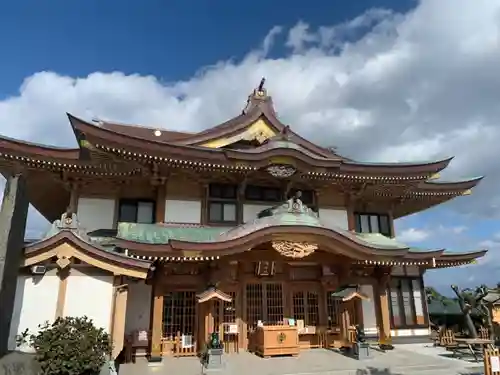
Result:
pixel 418 297
pixel 96 213
pixel 138 307
pixel 368 306
pixel 35 303
pixel 91 296
pixel 332 219
pixel 412 271
pixel 410 332
pixel 398 271
pixel 250 211
pixel 177 211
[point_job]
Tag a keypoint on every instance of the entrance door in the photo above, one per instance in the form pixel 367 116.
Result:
pixel 179 316
pixel 264 302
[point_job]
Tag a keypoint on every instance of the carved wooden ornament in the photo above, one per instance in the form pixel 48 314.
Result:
pixel 294 249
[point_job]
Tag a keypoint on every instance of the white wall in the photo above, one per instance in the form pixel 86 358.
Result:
pixel 410 332
pixel 92 296
pixel 35 303
pixel 182 211
pixel 96 213
pixel 250 211
pixel 368 306
pixel 333 218
pixel 138 307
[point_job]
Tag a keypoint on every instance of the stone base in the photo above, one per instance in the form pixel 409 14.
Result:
pixel 361 351
pixel 155 361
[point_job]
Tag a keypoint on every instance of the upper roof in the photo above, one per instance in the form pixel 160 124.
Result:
pixel 254 141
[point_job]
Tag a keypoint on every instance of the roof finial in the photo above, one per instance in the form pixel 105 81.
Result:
pixel 261 85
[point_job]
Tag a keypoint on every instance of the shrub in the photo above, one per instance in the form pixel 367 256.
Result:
pixel 69 346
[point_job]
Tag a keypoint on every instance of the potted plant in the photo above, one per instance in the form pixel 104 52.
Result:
pixel 69 346
pixel 211 356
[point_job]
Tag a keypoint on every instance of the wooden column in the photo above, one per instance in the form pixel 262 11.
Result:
pixel 391 224
pixel 382 306
pixel 61 293
pixel 73 198
pixel 239 316
pixel 120 295
pixel 156 322
pixel 351 220
pixel 161 196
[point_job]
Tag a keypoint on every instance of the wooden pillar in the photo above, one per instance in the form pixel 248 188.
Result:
pixel 351 220
pixel 13 215
pixel 156 322
pixel 161 196
pixel 345 321
pixel 120 294
pixel 63 275
pixel 239 315
pixel 391 224
pixel 73 198
pixel 322 306
pixel 382 306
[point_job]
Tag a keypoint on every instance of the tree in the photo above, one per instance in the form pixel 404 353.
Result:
pixel 69 346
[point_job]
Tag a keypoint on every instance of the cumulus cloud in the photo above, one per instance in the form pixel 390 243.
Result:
pixel 382 87
pixel 412 235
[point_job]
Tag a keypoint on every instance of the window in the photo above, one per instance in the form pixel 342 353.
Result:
pixel 373 223
pixel 333 309
pixel 305 307
pixel 263 194
pixel 406 303
pixel 264 303
pixel 136 211
pixel 222 203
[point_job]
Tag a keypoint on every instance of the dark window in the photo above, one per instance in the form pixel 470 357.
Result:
pixel 263 194
pixel 136 211
pixel 373 223
pixel 222 203
pixel 406 303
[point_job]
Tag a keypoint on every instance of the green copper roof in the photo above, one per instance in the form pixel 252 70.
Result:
pixel 292 213
pixel 161 234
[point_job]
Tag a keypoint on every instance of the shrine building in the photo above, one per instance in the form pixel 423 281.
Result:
pixel 162 237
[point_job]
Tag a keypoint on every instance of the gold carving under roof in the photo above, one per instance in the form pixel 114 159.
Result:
pixel 294 249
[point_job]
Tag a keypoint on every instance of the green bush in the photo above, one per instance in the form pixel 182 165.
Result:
pixel 69 346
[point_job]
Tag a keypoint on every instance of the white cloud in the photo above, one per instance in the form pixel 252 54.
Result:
pixel 384 86
pixel 412 235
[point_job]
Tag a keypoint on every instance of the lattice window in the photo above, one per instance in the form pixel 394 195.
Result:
pixel 333 310
pixel 305 307
pixel 299 309
pixel 229 310
pixel 179 313
pixel 254 296
pixel 265 303
pixel 312 309
pixel 274 299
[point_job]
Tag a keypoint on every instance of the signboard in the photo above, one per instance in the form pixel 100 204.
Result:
pixel 232 328
pixel 495 363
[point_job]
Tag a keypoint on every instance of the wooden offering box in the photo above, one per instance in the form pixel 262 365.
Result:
pixel 276 340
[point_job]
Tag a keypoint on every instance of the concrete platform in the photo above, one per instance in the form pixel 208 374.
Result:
pixel 399 361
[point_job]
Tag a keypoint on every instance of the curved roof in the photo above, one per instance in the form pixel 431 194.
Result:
pixel 66 232
pixel 278 147
pixel 291 221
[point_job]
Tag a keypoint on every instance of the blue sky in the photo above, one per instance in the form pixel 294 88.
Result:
pixel 171 40
pixel 381 80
